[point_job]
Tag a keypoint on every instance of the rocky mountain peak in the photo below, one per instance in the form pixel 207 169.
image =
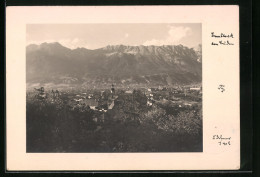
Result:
pixel 50 62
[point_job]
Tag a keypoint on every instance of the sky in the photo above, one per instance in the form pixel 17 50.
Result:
pixel 93 36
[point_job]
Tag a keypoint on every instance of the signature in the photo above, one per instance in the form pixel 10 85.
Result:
pixel 220 137
pixel 221 88
pixel 222 140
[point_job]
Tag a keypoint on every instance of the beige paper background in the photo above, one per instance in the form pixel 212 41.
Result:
pixel 220 110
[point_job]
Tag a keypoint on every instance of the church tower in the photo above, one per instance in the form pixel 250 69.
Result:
pixel 112 89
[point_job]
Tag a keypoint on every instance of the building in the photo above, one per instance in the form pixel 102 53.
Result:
pixel 90 96
pixel 41 94
pixel 149 103
pixel 129 91
pixel 112 89
pixel 195 89
pixel 111 105
pixel 92 103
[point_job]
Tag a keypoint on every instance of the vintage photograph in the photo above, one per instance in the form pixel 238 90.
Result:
pixel 114 87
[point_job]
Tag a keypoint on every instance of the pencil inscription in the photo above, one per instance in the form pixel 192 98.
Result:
pixel 226 39
pixel 221 140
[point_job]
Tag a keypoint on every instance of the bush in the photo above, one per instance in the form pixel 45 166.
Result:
pixel 186 122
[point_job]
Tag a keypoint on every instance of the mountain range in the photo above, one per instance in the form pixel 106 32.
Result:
pixel 120 64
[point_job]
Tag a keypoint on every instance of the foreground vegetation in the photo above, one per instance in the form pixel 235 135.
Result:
pixel 131 126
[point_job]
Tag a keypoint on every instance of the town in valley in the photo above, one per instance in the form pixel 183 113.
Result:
pixel 101 111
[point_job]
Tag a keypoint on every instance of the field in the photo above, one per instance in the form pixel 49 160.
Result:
pixel 114 120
